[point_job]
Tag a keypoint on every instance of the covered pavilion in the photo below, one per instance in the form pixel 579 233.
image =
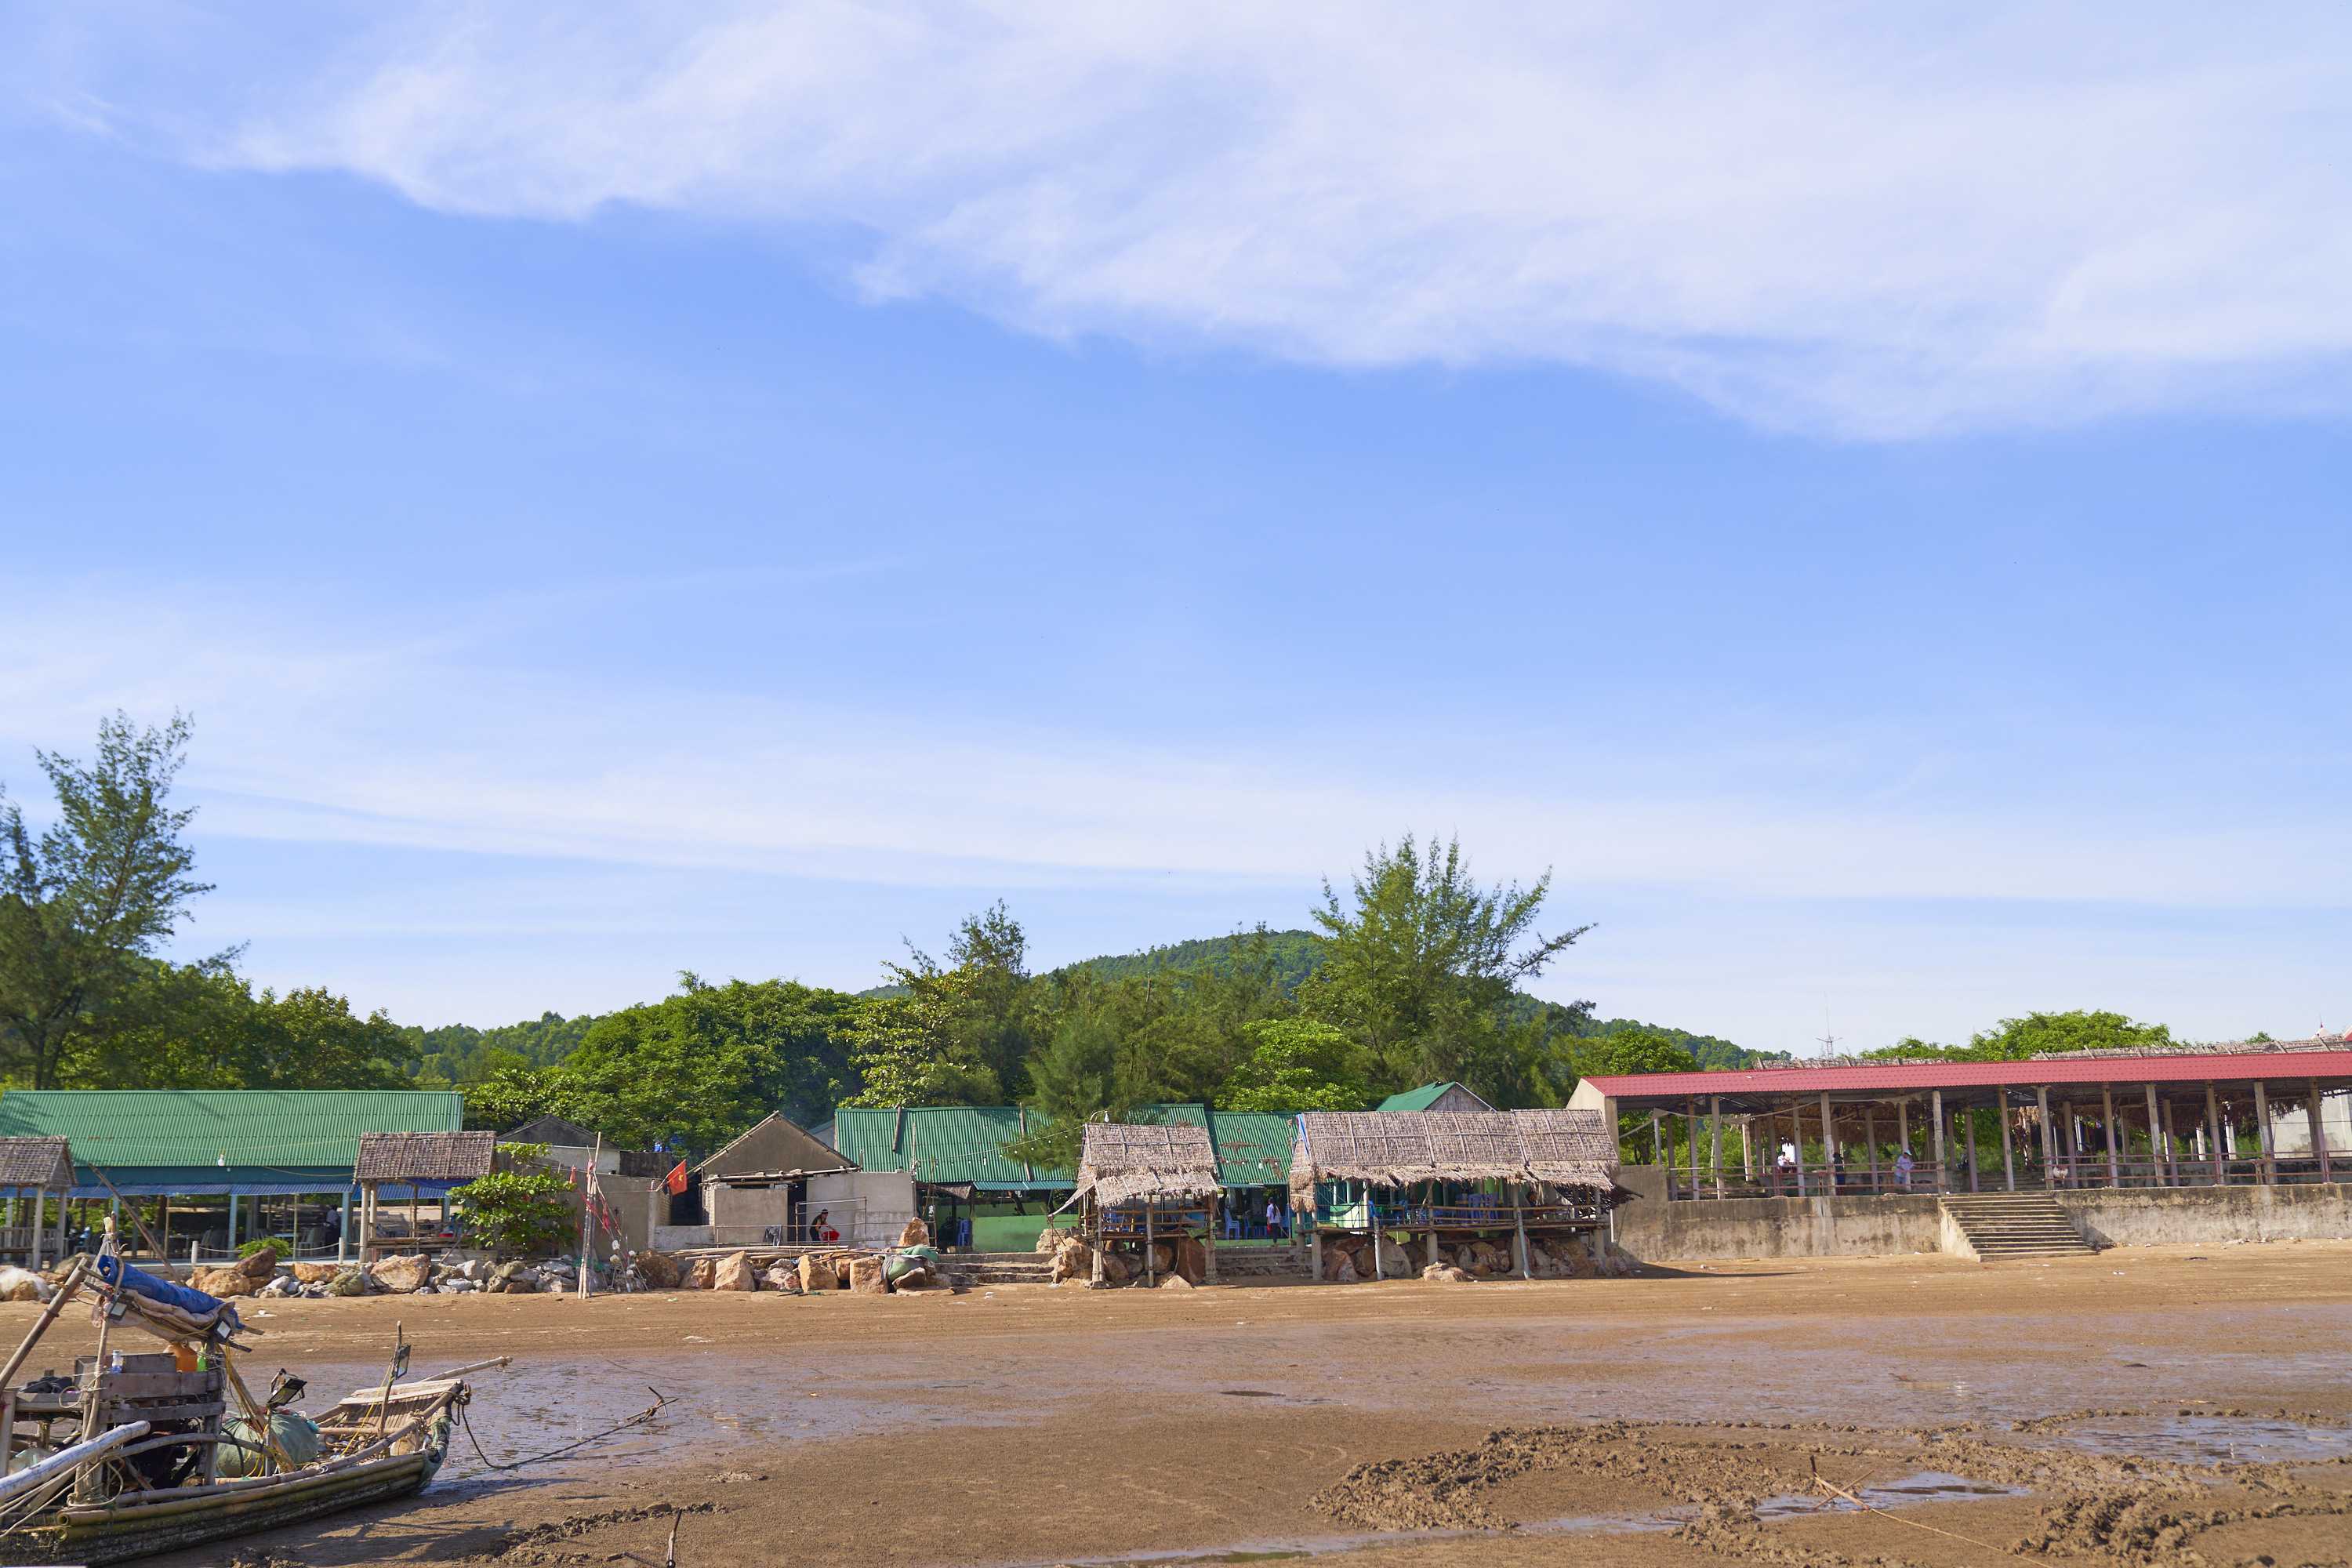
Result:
pixel 1146 1183
pixel 2211 1115
pixel 1426 1173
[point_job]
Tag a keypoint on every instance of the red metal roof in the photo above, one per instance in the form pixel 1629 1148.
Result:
pixel 1898 1077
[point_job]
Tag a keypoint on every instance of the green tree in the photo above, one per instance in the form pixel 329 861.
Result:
pixel 2016 1039
pixel 692 1072
pixel 958 1035
pixel 83 902
pixel 522 1210
pixel 1422 973
pixel 1298 1065
pixel 1086 1073
pixel 1619 1053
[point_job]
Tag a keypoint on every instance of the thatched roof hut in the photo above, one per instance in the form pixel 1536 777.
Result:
pixel 1398 1148
pixel 1123 1162
pixel 409 1157
pixel 45 1164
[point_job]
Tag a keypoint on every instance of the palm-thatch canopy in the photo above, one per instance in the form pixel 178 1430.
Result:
pixel 44 1163
pixel 1124 1163
pixel 423 1156
pixel 1398 1148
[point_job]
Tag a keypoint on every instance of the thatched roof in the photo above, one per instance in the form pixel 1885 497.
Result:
pixel 1397 1148
pixel 1121 1162
pixel 42 1162
pixel 423 1156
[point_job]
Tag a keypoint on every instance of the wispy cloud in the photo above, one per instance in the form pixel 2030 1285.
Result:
pixel 1832 217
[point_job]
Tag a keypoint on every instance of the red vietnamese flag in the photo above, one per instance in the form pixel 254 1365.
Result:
pixel 676 1182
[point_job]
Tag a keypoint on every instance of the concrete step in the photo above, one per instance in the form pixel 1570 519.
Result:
pixel 2015 1225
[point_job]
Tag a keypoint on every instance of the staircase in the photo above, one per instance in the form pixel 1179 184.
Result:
pixel 2010 1224
pixel 1001 1267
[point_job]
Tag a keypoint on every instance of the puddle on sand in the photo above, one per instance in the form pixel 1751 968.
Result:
pixel 2206 1440
pixel 1927 1486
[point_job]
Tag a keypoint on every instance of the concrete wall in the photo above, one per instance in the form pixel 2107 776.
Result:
pixel 1654 1229
pixel 878 1204
pixel 1658 1231
pixel 2150 1216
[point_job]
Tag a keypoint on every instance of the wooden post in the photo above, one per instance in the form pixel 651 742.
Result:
pixel 1314 1247
pixel 2262 1134
pixel 1969 1115
pixel 1747 1153
pixel 1903 1126
pixel 587 1212
pixel 2154 1141
pixel 1093 1213
pixel 1870 1147
pixel 343 1231
pixel 1829 1147
pixel 1433 1233
pixel 2317 1124
pixel 1714 1114
pixel 2007 1157
pixel 1690 1122
pixel 2108 1116
pixel 1150 1272
pixel 2171 1147
pixel 1519 1217
pixel 1797 1140
pixel 2213 1134
pixel 2041 1130
pixel 1937 1096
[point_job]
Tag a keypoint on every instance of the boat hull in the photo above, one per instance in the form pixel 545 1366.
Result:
pixel 121 1534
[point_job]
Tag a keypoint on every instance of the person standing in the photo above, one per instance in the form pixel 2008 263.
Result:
pixel 1273 1220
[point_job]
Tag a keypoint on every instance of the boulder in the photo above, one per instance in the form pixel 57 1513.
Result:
pixel 1193 1259
pixel 839 1262
pixel 1117 1270
pixel 1175 1282
pixel 816 1275
pixel 347 1283
pixel 916 1234
pixel 1053 1238
pixel 782 1277
pixel 259 1266
pixel 1073 1258
pixel 315 1273
pixel 705 1275
pixel 865 1277
pixel 660 1269
pixel 23 1284
pixel 734 1273
pixel 1163 1257
pixel 1445 1274
pixel 403 1275
pixel 221 1282
pixel 1341 1269
pixel 514 1278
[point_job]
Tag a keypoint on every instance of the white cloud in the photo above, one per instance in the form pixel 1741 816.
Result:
pixel 1844 218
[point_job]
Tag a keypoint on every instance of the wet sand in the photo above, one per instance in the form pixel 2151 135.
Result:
pixel 2150 1404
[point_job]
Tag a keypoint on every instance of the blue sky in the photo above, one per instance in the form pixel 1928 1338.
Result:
pixel 726 487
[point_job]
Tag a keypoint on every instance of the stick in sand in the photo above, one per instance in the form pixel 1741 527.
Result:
pixel 669 1560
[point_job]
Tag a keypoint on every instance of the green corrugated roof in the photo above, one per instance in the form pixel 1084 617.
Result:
pixel 963 1143
pixel 1420 1098
pixel 135 1134
pixel 941 1143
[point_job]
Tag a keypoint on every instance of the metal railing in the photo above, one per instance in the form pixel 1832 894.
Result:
pixel 2072 1173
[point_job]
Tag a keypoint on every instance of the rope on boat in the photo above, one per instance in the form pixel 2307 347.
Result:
pixel 661 1402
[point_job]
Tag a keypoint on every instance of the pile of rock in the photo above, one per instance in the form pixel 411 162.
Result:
pixel 1182 1259
pixel 1576 1258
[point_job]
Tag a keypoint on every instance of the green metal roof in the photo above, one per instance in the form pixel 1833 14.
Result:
pixel 1420 1098
pixel 194 1140
pixel 944 1143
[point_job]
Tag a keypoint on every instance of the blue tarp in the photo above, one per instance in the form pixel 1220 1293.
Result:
pixel 139 1282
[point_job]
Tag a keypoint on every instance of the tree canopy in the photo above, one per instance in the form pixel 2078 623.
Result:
pixel 2015 1039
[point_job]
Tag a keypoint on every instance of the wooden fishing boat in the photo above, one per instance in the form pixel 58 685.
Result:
pixel 126 1461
